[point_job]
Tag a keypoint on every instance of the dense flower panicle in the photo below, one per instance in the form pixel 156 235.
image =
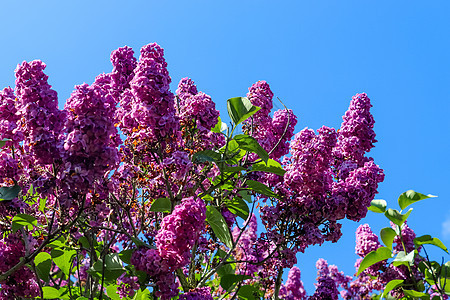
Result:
pixel 148 110
pixel 408 236
pixel 283 124
pixel 293 289
pixel 124 63
pixel 356 135
pixel 41 120
pixel 326 289
pixel 245 249
pixel 89 144
pixel 203 293
pixel 180 230
pixel 8 116
pixel 197 111
pixel 309 174
pixel 161 273
pixel 261 95
pixel 186 88
pixel 23 282
pixel 359 188
pixel 366 241
pixel 179 164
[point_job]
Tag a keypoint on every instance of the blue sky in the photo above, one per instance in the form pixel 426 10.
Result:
pixel 315 55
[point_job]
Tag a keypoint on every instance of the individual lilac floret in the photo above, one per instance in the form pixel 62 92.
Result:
pixel 366 241
pixel 356 135
pixel 203 293
pixel 293 289
pixel 180 230
pixel 89 146
pixel 41 120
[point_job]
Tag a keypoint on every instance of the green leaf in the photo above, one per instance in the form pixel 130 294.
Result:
pixel 249 143
pixel 387 236
pixel 111 291
pixel 373 257
pixel 22 220
pixel 396 217
pixel 43 262
pixel 409 197
pixel 229 280
pixel 272 166
pixel 3 142
pixel 206 155
pixel 391 285
pixel 59 243
pixel 378 206
pixel 427 239
pixel 142 295
pixel 245 195
pixel 125 255
pixel 50 292
pixel 416 294
pixel 161 205
pixel 403 259
pixel 247 292
pixel 9 192
pixel 84 298
pixel 226 268
pixel 113 262
pixel 220 126
pixel 240 109
pixel 261 188
pixel 219 226
pixel 63 258
pixel 238 207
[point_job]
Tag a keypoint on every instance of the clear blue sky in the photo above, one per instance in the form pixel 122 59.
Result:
pixel 314 54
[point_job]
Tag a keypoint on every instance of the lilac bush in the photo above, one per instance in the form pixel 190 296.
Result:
pixel 134 192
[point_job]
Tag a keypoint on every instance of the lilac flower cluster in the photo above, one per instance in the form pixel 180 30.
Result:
pixel 147 109
pixel 23 282
pixel 91 139
pixel 124 64
pixel 8 116
pixel 197 112
pixel 203 293
pixel 245 249
pixel 180 230
pixel 41 121
pixel 293 289
pixel 272 133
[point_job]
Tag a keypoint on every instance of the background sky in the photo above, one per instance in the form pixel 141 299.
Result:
pixel 314 54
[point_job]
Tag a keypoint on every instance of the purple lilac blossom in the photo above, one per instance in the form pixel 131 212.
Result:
pixel 283 124
pixel 148 110
pixel 356 135
pixel 91 136
pixel 22 283
pixel 41 120
pixel 203 293
pixel 197 109
pixel 245 249
pixel 180 230
pixel 293 289
pixel 366 241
